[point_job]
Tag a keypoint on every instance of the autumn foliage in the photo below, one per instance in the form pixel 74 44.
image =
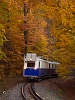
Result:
pixel 51 32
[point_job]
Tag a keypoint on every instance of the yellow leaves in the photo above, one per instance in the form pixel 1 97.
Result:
pixel 19 21
pixel 43 23
pixel 64 3
pixel 67 12
pixel 63 70
pixel 37 43
pixel 63 41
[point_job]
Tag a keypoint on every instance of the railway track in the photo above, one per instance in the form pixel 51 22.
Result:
pixel 28 92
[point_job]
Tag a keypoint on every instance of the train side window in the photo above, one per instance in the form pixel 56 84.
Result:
pixel 49 65
pixel 39 64
pixel 52 66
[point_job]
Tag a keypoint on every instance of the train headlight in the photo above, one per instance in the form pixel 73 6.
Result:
pixel 35 68
pixel 24 68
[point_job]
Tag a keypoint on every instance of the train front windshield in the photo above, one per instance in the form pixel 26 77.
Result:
pixel 30 63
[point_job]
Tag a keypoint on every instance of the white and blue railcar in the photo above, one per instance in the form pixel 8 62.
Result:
pixel 35 67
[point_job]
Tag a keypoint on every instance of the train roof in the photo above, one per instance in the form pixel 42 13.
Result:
pixel 51 62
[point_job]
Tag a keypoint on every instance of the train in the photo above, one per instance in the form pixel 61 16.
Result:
pixel 35 67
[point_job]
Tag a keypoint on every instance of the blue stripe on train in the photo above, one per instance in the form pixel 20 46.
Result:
pixel 31 72
pixel 38 72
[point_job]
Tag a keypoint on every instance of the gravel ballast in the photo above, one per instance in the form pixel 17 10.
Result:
pixel 48 91
pixel 13 94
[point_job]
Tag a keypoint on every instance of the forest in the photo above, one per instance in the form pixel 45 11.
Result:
pixel 50 28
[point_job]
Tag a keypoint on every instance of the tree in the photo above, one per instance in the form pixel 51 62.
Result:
pixel 60 17
pixel 2 29
pixel 62 32
pixel 50 26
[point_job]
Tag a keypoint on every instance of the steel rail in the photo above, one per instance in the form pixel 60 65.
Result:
pixel 32 92
pixel 22 92
pixel 35 95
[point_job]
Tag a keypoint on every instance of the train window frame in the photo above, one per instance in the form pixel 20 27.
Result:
pixel 39 64
pixel 49 66
pixel 31 64
pixel 53 66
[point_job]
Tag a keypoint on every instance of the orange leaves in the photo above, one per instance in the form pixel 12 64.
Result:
pixel 45 17
pixel 62 41
pixel 67 12
pixel 60 19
